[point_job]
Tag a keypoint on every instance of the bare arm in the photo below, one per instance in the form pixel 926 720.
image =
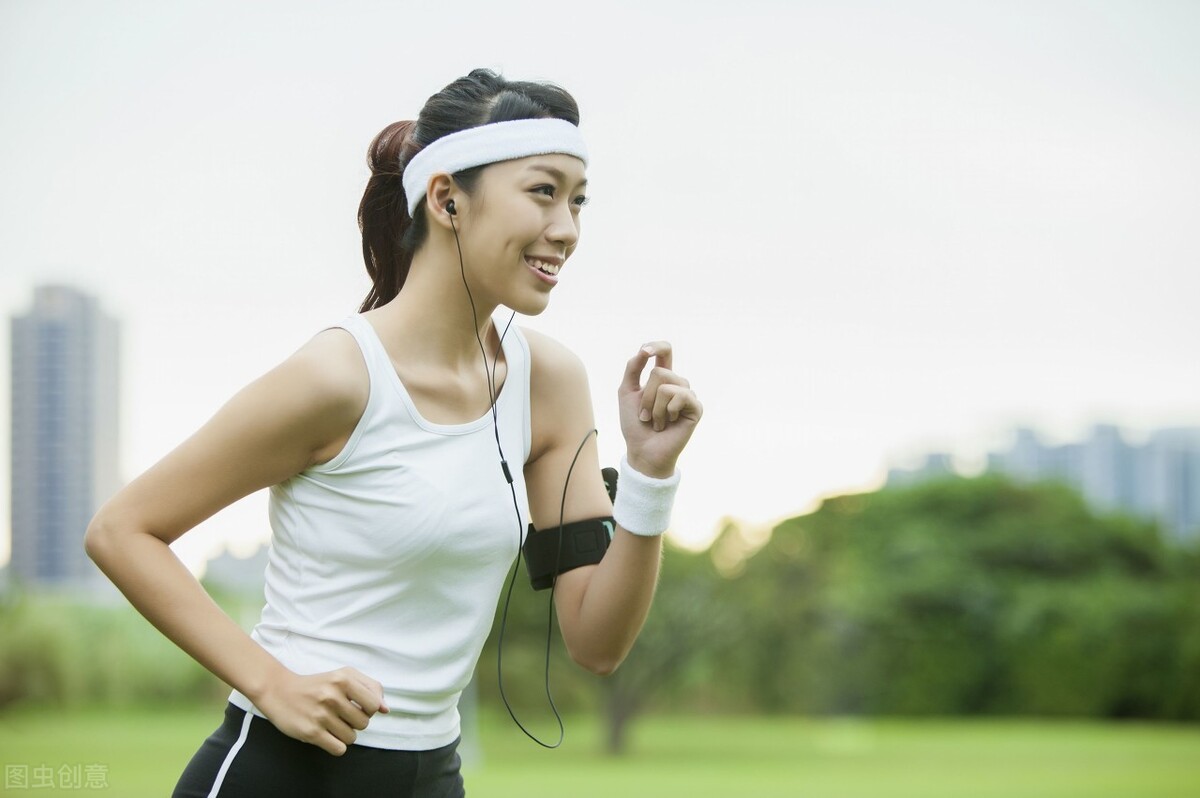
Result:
pixel 602 608
pixel 296 415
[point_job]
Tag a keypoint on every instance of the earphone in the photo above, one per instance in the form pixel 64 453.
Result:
pixel 491 384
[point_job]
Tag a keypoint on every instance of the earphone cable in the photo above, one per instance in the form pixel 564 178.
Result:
pixel 491 385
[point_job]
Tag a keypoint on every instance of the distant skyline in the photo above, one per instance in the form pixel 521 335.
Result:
pixel 870 229
pixel 1156 479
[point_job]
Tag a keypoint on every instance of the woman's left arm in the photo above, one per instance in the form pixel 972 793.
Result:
pixel 601 608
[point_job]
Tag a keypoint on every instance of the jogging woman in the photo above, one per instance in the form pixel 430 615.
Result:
pixel 406 450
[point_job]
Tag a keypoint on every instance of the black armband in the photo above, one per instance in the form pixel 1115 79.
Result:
pixel 610 482
pixel 560 549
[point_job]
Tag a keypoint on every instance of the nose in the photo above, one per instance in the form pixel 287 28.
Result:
pixel 563 227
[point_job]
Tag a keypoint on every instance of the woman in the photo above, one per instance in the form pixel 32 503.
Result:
pixel 386 444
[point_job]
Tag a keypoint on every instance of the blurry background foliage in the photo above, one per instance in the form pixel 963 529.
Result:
pixel 962 596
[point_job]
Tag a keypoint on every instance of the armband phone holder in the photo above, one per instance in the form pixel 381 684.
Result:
pixel 559 549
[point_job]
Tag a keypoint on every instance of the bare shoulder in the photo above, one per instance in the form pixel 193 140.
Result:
pixel 554 368
pixel 330 373
pixel 560 397
pixel 333 366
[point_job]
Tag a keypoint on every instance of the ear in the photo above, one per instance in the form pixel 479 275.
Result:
pixel 440 192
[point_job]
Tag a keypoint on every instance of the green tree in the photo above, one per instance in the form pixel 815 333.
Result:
pixel 967 596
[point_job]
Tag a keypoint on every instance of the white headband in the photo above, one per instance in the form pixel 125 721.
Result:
pixel 477 146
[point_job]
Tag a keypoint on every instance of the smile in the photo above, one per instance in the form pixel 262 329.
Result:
pixel 550 267
pixel 546 268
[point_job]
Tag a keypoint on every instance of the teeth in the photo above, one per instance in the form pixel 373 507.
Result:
pixel 548 268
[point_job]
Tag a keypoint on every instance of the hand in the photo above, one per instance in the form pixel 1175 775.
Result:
pixel 657 419
pixel 325 709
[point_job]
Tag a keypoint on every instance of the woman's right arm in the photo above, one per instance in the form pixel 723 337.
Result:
pixel 299 414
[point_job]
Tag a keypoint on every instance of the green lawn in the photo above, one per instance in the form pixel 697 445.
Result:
pixel 142 751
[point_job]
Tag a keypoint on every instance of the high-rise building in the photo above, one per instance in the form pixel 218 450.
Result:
pixel 1159 479
pixel 935 464
pixel 1170 487
pixel 64 433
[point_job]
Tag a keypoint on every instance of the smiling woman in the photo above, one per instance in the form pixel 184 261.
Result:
pixel 530 225
pixel 385 442
pixel 462 125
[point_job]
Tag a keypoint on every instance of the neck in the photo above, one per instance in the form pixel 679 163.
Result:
pixel 432 318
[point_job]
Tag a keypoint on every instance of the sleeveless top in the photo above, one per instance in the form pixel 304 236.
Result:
pixel 390 557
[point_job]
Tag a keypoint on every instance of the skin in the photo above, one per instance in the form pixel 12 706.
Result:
pixel 303 411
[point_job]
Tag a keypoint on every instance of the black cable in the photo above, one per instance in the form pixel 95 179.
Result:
pixel 489 375
pixel 491 383
pixel 549 619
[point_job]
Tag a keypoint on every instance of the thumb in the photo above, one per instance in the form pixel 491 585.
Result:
pixel 632 380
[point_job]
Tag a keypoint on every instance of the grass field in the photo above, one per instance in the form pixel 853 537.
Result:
pixel 141 752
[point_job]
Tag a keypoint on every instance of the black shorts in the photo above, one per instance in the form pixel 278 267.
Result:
pixel 247 757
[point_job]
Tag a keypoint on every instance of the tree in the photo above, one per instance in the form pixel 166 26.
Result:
pixel 967 596
pixel 673 655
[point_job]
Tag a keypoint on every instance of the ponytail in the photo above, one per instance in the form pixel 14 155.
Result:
pixel 383 215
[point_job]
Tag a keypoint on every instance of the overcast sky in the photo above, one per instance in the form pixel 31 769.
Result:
pixel 870 229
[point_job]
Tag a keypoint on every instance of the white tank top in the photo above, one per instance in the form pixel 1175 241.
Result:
pixel 391 556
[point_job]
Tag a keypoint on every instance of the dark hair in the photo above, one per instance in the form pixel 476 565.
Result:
pixel 389 235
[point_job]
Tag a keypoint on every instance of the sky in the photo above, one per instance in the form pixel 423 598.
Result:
pixel 869 229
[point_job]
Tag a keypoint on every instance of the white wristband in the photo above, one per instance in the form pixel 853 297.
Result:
pixel 643 504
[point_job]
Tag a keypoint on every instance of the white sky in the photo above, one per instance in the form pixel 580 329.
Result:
pixel 870 229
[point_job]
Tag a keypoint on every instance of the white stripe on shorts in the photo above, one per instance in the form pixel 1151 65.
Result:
pixel 237 746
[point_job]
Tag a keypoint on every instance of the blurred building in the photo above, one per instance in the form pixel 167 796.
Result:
pixel 933 465
pixel 1158 479
pixel 243 576
pixel 64 434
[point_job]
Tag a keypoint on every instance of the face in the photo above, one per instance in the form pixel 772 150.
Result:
pixel 521 226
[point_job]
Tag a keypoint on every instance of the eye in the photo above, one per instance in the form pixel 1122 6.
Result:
pixel 547 190
pixel 581 200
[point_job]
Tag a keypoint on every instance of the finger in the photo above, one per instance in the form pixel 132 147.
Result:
pixel 684 404
pixel 353 715
pixel 366 692
pixel 658 377
pixel 633 370
pixel 649 394
pixel 662 352
pixel 331 734
pixel 330 744
pixel 671 401
pixel 338 714
pixel 659 350
pixel 340 730
pixel 662 397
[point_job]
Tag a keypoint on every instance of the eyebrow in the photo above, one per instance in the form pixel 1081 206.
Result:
pixel 556 173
